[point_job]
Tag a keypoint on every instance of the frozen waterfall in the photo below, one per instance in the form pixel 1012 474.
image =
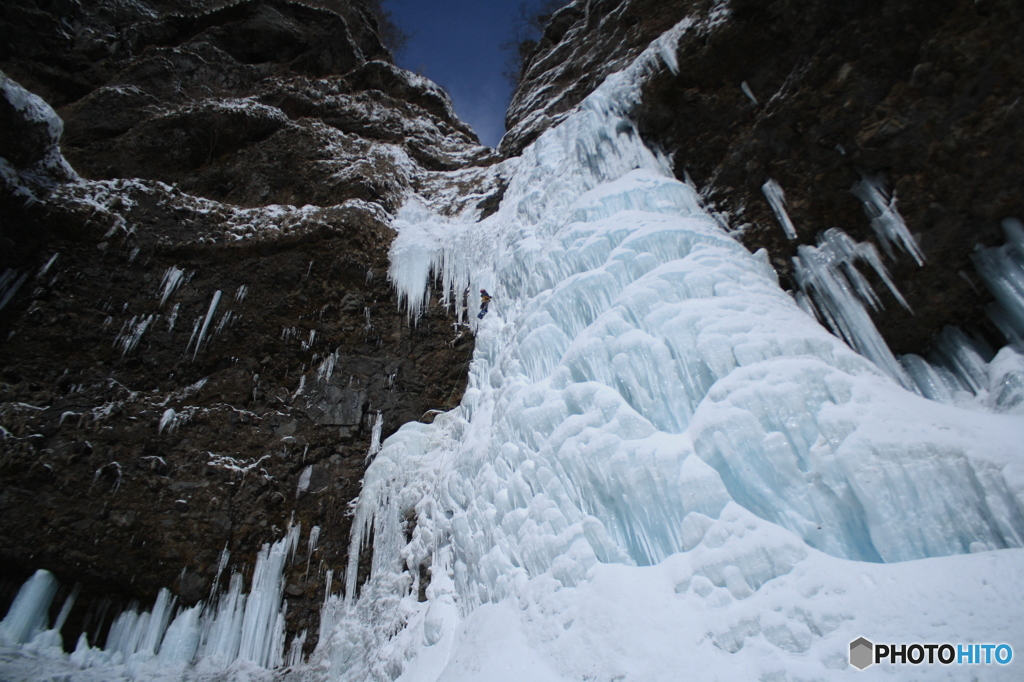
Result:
pixel 659 446
pixel 662 461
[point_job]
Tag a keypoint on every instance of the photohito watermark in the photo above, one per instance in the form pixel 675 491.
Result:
pixel 864 653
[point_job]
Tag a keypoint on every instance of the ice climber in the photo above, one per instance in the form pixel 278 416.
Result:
pixel 485 298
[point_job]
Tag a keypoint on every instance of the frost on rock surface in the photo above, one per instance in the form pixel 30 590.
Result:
pixel 30 161
pixel 662 462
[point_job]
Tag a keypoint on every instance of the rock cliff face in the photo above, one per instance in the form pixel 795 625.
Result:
pixel 199 337
pixel 925 94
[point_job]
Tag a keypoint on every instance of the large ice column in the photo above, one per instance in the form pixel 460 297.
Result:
pixel 262 633
pixel 140 634
pixel 28 615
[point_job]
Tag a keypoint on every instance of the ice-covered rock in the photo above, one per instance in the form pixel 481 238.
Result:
pixel 31 163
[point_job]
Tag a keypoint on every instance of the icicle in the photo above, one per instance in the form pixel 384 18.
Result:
pixel 378 424
pixel 159 617
pixel 303 484
pixel 314 537
pixel 777 200
pixel 292 537
pixel 173 318
pixel 46 267
pixel 135 633
pixel 206 322
pixel 263 623
pixel 230 626
pixel 27 615
pixel 1002 270
pixel 828 275
pixel 414 263
pixel 65 611
pixel 195 331
pixel 181 639
pixel 886 221
pixel 167 420
pixel 223 630
pixel 121 631
pixel 749 93
pixel 929 380
pixel 222 563
pixel 965 357
pixel 667 52
pixel 129 339
pixel 295 651
pixel 224 320
pixel 326 369
pixel 169 284
pixel 10 282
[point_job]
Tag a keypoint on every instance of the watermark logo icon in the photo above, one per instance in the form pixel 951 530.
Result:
pixel 862 653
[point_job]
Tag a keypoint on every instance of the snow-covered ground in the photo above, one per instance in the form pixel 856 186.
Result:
pixel 663 468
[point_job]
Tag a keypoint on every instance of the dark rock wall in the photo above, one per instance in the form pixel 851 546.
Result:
pixel 925 93
pixel 256 150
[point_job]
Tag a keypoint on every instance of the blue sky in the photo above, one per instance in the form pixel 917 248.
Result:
pixel 457 44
